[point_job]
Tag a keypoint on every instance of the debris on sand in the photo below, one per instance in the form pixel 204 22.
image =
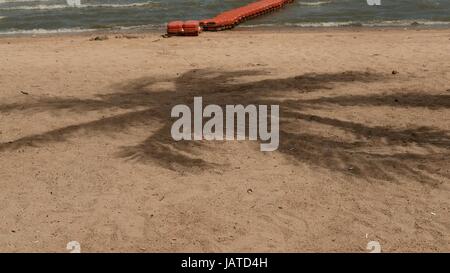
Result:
pixel 395 72
pixel 25 93
pixel 99 38
pixel 127 36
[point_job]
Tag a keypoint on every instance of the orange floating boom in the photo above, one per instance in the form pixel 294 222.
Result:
pixel 225 20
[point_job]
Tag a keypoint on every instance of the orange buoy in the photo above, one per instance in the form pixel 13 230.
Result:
pixel 191 28
pixel 175 28
pixel 227 19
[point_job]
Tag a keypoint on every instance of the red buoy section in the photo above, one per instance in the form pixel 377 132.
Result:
pixel 225 20
pixel 191 28
pixel 175 28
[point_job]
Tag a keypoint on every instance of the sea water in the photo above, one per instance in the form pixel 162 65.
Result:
pixel 47 16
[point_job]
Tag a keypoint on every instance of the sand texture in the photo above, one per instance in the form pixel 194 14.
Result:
pixel 86 153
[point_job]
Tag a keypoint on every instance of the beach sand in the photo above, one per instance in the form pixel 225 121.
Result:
pixel 86 153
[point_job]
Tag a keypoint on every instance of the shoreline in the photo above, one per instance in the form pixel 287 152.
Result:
pixel 262 28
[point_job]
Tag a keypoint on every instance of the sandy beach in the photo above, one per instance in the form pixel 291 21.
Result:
pixel 86 153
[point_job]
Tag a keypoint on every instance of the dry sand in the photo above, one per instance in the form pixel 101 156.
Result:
pixel 86 154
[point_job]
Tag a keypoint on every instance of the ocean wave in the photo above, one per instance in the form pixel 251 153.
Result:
pixel 324 24
pixel 40 31
pixel 22 1
pixel 318 3
pixel 51 7
pixel 45 31
pixel 305 24
pixel 37 7
pixel 395 23
pixel 406 23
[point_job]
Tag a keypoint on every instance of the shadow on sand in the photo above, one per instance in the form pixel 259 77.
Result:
pixel 148 105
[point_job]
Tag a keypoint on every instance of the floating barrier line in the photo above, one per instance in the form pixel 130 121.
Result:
pixel 225 20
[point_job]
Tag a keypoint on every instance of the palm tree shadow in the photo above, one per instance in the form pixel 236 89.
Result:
pixel 148 105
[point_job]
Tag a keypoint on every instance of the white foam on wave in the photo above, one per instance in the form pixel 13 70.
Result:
pixel 22 1
pixel 318 24
pixel 318 3
pixel 77 4
pixel 406 23
pixel 397 23
pixel 74 3
pixel 36 7
pixel 41 31
pixel 322 24
pixel 45 31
